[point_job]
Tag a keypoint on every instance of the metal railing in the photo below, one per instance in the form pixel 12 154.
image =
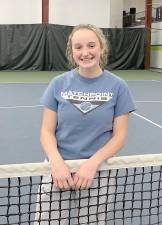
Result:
pixel 130 20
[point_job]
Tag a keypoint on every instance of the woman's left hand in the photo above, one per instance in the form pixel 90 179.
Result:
pixel 83 178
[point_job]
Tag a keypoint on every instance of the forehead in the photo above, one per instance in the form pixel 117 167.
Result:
pixel 84 35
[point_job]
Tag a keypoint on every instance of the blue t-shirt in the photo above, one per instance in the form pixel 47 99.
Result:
pixel 85 110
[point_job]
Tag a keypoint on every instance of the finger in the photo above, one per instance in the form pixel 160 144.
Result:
pixel 78 184
pixel 89 183
pixel 84 184
pixel 71 182
pixel 66 185
pixel 55 183
pixel 75 179
pixel 60 184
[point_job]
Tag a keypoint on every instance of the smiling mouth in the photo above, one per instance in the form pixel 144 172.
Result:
pixel 86 59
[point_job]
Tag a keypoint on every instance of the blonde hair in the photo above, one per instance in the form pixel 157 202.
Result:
pixel 102 41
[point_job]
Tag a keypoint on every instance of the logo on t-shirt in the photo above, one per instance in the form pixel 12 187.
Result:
pixel 87 101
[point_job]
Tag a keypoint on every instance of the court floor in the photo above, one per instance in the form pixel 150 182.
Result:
pixel 21 112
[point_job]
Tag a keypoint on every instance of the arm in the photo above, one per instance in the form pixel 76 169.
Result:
pixel 120 128
pixel 60 171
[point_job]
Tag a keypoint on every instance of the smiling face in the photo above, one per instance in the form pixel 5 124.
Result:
pixel 86 51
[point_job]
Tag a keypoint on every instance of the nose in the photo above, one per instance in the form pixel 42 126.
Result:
pixel 84 51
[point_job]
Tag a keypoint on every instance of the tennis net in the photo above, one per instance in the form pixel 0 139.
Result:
pixel 127 190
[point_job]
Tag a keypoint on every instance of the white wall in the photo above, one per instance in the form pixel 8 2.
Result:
pixel 65 12
pixel 156 1
pixel 74 12
pixel 156 34
pixel 116 13
pixel 138 4
pixel 102 13
pixel 156 56
pixel 20 11
pixel 156 39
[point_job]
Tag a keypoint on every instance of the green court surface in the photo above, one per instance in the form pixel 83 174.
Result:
pixel 46 76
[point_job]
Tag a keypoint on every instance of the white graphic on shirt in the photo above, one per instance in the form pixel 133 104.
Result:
pixel 87 101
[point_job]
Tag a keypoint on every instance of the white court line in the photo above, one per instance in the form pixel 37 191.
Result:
pixel 149 101
pixel 35 82
pixel 36 106
pixel 158 81
pixel 139 80
pixel 144 118
pixel 20 106
pixel 46 82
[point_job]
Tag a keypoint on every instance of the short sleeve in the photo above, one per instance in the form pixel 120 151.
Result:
pixel 49 97
pixel 124 102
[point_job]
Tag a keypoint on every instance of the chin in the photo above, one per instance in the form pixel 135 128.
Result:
pixel 87 66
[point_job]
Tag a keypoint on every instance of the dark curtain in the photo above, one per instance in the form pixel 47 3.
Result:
pixel 126 48
pixel 57 39
pixel 22 47
pixel 42 47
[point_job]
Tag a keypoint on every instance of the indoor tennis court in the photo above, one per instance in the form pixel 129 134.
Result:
pixel 21 118
pixel 21 112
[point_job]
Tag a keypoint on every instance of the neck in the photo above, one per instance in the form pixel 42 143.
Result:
pixel 90 73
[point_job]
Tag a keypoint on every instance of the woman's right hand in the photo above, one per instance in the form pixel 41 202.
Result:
pixel 61 175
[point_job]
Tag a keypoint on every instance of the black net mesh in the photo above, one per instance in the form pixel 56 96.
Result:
pixel 117 197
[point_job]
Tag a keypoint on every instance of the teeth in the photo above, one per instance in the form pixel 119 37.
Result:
pixel 86 59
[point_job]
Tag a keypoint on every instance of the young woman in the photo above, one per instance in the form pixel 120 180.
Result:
pixel 86 112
